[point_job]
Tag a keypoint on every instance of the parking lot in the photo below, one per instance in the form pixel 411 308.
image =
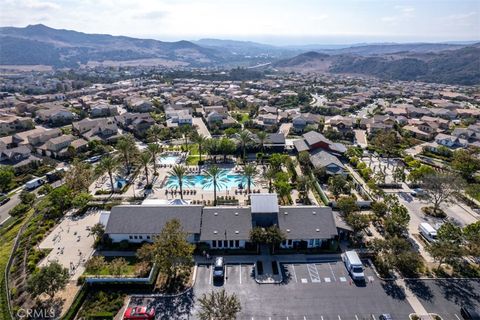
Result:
pixel 316 290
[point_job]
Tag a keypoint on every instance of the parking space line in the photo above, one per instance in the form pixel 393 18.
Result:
pixel 240 273
pixel 339 317
pixel 356 318
pixel 313 272
pixel 333 274
pixel 328 279
pixel 374 317
pixel 321 317
pixel 370 278
pixel 211 276
pixel 457 316
pixel 343 279
pixel 304 318
pixel 294 273
pixel 226 273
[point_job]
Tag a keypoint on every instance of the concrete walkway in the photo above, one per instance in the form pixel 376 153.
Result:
pixel 413 300
pixel 267 261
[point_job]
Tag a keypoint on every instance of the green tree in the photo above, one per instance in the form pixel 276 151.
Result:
pixel 118 266
pixel 472 236
pixel 244 137
pixel 171 251
pixel 61 198
pixel 201 141
pixel 276 161
pixel 440 188
pixel 227 147
pixel 127 147
pixel 154 150
pixel 79 177
pixel 304 184
pixel 154 133
pixel 186 131
pixel 357 221
pixel 283 188
pixel 81 200
pixel 249 174
pixel 465 162
pixel 218 305
pixel 6 177
pixel 338 185
pixel 379 208
pixel 304 158
pixel 144 160
pixel 262 137
pixel 397 222
pixel 97 231
pixel 416 175
pixel 109 165
pixel 180 173
pixel 49 280
pixel 347 205
pixel 27 197
pixel 217 178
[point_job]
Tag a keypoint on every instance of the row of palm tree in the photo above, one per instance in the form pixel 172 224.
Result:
pixel 214 177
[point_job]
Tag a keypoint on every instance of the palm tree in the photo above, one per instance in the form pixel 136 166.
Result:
pixel 144 159
pixel 201 140
pixel 304 184
pixel 262 136
pixel 109 165
pixel 216 177
pixel 244 137
pixel 227 147
pixel 186 131
pixel 154 150
pixel 179 172
pixel 270 175
pixel 249 173
pixel 218 305
pixel 154 133
pixel 127 147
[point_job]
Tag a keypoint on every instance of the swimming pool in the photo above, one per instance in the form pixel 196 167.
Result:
pixel 169 158
pixel 232 180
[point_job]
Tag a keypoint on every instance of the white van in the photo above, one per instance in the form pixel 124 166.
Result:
pixel 354 265
pixel 34 183
pixel 427 231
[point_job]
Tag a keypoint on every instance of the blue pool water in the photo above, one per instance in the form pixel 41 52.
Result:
pixel 232 180
pixel 169 159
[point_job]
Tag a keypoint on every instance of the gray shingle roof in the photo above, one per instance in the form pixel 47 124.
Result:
pixel 307 222
pixel 321 159
pixel 237 222
pixel 146 219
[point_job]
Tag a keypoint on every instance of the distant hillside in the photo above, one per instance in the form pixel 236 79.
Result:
pixel 391 48
pixel 459 66
pixel 39 44
pixel 308 60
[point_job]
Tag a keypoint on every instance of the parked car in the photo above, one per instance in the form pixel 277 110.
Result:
pixel 93 159
pixel 417 192
pixel 469 313
pixel 34 183
pixel 139 313
pixel 219 268
pixel 4 199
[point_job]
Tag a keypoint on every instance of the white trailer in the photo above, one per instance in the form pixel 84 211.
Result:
pixel 354 265
pixel 427 231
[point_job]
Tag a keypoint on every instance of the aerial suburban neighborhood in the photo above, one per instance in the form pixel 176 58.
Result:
pixel 264 190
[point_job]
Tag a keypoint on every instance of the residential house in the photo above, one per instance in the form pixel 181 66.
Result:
pixel 103 110
pixel 321 159
pixel 55 116
pixel 103 129
pixel 10 124
pixel 137 123
pixel 137 104
pixel 313 140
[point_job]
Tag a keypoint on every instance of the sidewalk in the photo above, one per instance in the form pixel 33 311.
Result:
pixel 413 300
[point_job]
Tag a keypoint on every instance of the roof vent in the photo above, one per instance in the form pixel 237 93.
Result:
pixel 237 232
pixel 288 230
pixel 215 214
pixel 314 212
pixel 286 213
pixel 215 232
pixel 236 213
pixel 318 230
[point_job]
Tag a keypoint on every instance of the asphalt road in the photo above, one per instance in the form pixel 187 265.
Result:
pixel 14 200
pixel 446 297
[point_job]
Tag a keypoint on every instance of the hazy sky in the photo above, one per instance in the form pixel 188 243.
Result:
pixel 271 21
